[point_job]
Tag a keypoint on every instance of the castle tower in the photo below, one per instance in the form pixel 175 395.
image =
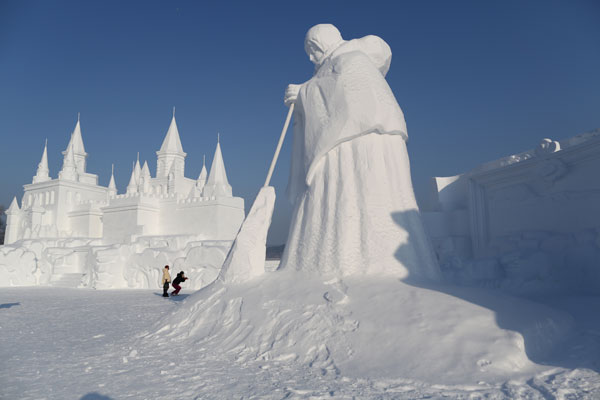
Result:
pixel 13 221
pixel 112 187
pixel 42 174
pixel 144 180
pixel 217 184
pixel 203 175
pixel 69 167
pixel 79 153
pixel 171 156
pixel 132 187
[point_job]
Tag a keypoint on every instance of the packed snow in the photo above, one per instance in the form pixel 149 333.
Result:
pixel 358 309
pixel 87 344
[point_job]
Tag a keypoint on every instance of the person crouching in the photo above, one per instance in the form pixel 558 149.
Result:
pixel 166 279
pixel 178 279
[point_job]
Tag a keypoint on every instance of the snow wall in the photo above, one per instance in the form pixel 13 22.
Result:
pixel 527 223
pixel 88 263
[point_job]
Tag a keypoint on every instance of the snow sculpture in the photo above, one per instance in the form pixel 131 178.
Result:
pixel 526 222
pixel 78 207
pixel 354 206
pixel 74 211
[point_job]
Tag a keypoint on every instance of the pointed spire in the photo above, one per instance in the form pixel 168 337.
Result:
pixel 14 206
pixel 144 179
pixel 137 169
pixel 76 139
pixel 172 142
pixel 203 175
pixel 42 173
pixel 76 142
pixel 69 168
pixel 146 170
pixel 112 187
pixel 217 184
pixel 132 187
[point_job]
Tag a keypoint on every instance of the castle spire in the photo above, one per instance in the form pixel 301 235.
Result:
pixel 69 168
pixel 76 142
pixel 203 175
pixel 132 187
pixel 14 206
pixel 42 174
pixel 112 187
pixel 144 180
pixel 172 142
pixel 137 169
pixel 217 184
pixel 171 152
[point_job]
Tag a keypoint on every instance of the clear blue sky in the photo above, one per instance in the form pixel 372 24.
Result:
pixel 477 80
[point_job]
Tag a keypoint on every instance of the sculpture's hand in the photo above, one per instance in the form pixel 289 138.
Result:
pixel 291 94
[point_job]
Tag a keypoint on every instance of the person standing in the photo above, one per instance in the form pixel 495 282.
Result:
pixel 166 279
pixel 180 278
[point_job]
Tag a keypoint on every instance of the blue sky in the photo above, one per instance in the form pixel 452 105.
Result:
pixel 477 80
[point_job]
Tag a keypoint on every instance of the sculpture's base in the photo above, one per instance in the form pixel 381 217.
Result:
pixel 370 327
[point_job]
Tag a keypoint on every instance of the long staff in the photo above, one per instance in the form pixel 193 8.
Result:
pixel 281 137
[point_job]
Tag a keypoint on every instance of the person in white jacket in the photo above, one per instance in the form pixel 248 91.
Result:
pixel 166 280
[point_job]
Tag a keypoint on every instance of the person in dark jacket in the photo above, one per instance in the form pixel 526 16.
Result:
pixel 178 279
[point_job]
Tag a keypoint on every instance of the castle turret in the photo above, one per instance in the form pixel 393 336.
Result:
pixel 13 221
pixel 112 187
pixel 132 187
pixel 144 181
pixel 69 168
pixel 79 153
pixel 217 184
pixel 203 175
pixel 171 156
pixel 42 174
pixel 137 168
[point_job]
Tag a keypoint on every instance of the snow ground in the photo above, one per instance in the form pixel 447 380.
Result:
pixel 85 344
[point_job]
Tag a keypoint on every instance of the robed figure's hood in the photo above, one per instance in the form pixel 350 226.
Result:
pixel 347 97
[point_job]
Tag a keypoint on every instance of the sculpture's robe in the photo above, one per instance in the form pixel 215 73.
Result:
pixel 354 206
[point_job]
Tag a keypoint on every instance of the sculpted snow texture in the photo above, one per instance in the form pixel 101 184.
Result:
pixel 354 206
pixel 247 256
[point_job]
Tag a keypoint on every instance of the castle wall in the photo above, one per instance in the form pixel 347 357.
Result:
pixel 128 216
pixel 214 219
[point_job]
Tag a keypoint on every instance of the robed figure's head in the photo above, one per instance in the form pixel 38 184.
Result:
pixel 321 40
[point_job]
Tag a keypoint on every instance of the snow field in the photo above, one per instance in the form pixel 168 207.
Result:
pixel 68 344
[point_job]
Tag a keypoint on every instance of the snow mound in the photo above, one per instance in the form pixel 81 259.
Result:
pixel 368 328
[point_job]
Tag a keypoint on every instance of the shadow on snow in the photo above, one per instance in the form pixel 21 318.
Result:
pixel 566 354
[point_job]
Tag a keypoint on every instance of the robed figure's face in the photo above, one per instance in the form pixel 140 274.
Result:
pixel 314 52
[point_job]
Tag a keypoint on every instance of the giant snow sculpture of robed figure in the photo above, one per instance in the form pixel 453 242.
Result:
pixel 354 207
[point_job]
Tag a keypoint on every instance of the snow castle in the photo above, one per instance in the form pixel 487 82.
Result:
pixel 75 205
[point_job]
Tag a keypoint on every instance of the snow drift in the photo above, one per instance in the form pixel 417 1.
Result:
pixel 368 327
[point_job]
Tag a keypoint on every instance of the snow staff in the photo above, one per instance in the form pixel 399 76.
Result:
pixel 354 207
pixel 166 279
pixel 178 279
